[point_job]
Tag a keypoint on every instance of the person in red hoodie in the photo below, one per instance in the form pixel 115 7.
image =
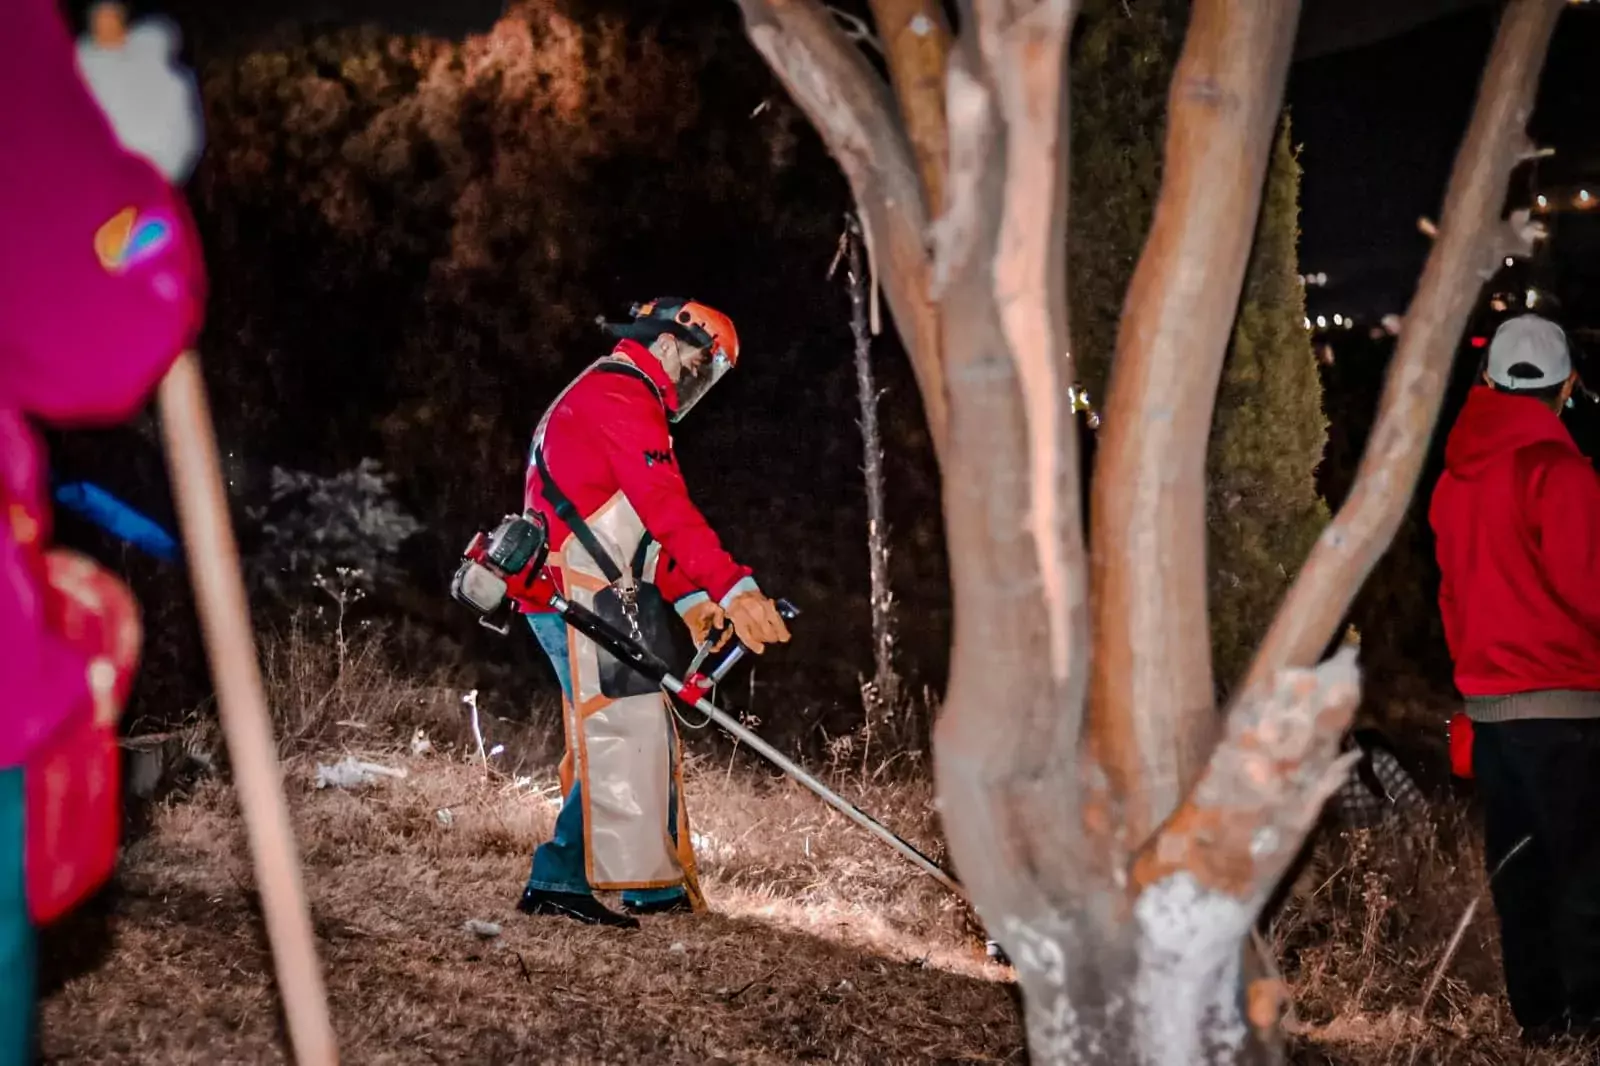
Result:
pixel 1516 516
pixel 627 542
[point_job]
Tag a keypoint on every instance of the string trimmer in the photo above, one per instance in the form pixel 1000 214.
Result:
pixel 503 573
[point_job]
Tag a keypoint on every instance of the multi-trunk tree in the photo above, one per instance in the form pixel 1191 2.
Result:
pixel 1118 832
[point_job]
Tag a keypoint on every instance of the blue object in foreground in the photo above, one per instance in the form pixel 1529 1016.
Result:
pixel 117 518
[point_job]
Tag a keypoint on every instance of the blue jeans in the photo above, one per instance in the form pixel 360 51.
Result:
pixel 16 929
pixel 558 864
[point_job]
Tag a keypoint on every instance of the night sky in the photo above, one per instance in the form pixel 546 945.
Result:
pixel 1379 127
pixel 1380 94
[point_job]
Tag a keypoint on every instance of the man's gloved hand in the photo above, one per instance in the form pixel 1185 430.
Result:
pixel 757 621
pixel 702 618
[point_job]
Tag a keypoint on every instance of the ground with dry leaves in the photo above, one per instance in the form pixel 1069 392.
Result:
pixel 822 946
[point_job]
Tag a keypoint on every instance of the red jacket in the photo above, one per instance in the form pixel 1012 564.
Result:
pixel 609 432
pixel 1517 520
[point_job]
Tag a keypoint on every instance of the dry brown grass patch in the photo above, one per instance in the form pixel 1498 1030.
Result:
pixel 823 944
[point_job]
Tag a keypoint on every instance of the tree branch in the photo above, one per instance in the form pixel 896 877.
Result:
pixel 1471 235
pixel 916 38
pixel 850 106
pixel 1026 60
pixel 1247 816
pixel 1006 741
pixel 1151 705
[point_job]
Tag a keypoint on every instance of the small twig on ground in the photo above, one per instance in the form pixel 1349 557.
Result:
pixel 1451 948
pixel 748 985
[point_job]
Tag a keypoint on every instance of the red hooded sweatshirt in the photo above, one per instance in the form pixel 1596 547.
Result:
pixel 1517 520
pixel 609 433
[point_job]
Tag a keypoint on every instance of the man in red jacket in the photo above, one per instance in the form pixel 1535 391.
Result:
pixel 1517 521
pixel 627 543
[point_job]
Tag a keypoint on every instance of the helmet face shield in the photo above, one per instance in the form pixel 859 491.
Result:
pixel 706 337
pixel 694 384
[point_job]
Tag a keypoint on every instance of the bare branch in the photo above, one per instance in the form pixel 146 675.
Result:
pixel 851 108
pixel 1025 59
pixel 917 37
pixel 856 28
pixel 1006 742
pixel 1520 233
pixel 1151 707
pixel 1264 787
pixel 1471 236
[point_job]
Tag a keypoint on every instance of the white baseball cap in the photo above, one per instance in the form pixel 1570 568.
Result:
pixel 1529 352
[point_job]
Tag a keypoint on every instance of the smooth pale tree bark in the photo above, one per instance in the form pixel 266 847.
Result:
pixel 1151 695
pixel 1119 836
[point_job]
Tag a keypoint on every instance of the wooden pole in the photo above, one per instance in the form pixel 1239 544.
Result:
pixel 197 485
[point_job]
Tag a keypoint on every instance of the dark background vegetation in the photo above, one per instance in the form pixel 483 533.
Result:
pixel 409 237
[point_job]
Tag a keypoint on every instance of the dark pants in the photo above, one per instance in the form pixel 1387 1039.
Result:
pixel 1540 780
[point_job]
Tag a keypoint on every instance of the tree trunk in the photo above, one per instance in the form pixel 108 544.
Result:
pixel 1124 875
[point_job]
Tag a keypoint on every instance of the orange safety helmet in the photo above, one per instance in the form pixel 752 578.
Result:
pixel 695 323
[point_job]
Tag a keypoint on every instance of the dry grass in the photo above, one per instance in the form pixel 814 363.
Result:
pixel 823 945
pixel 808 957
pixel 1383 922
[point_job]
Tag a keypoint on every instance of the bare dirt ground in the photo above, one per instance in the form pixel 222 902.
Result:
pixel 823 946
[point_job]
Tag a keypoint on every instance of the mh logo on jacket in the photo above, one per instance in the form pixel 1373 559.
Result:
pixel 130 238
pixel 652 458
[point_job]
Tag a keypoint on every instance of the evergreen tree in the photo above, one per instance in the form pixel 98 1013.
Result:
pixel 1269 431
pixel 1268 436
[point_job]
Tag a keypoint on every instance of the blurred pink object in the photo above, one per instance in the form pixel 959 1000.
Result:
pixel 101 286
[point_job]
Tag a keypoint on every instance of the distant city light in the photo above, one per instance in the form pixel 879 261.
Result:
pixel 1583 194
pixel 1479 342
pixel 1544 201
pixel 1338 320
pixel 1510 261
pixel 1322 321
pixel 1308 323
pixel 1533 297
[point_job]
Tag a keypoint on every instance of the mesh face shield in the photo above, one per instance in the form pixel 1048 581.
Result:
pixel 694 384
pixel 709 335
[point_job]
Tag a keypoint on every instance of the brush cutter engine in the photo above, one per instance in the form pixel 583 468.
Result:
pixel 501 568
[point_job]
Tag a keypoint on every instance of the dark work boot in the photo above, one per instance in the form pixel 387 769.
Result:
pixel 676 905
pixel 575 905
